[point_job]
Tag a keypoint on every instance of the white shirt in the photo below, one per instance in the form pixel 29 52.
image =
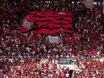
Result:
pixel 67 74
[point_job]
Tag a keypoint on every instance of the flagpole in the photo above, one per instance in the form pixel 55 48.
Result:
pixel 16 23
pixel 61 34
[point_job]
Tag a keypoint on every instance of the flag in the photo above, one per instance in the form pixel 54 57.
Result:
pixel 47 22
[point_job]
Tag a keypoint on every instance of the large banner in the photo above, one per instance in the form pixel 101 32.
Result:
pixel 47 22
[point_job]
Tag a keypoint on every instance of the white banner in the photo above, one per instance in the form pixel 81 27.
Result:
pixel 71 67
pixel 53 39
pixel 89 3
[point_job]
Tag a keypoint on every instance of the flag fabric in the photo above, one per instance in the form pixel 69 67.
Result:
pixel 47 22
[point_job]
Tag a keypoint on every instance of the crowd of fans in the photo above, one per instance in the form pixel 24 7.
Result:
pixel 92 67
pixel 21 53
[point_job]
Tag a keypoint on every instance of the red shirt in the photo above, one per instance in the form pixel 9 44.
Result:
pixel 62 76
pixel 1 72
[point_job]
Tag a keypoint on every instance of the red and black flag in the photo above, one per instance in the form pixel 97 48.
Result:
pixel 47 22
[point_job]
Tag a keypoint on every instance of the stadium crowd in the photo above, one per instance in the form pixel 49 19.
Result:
pixel 21 53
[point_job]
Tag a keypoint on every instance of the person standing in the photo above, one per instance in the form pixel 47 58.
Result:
pixel 62 75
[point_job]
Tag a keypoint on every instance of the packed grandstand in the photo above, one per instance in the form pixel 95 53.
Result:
pixel 51 39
